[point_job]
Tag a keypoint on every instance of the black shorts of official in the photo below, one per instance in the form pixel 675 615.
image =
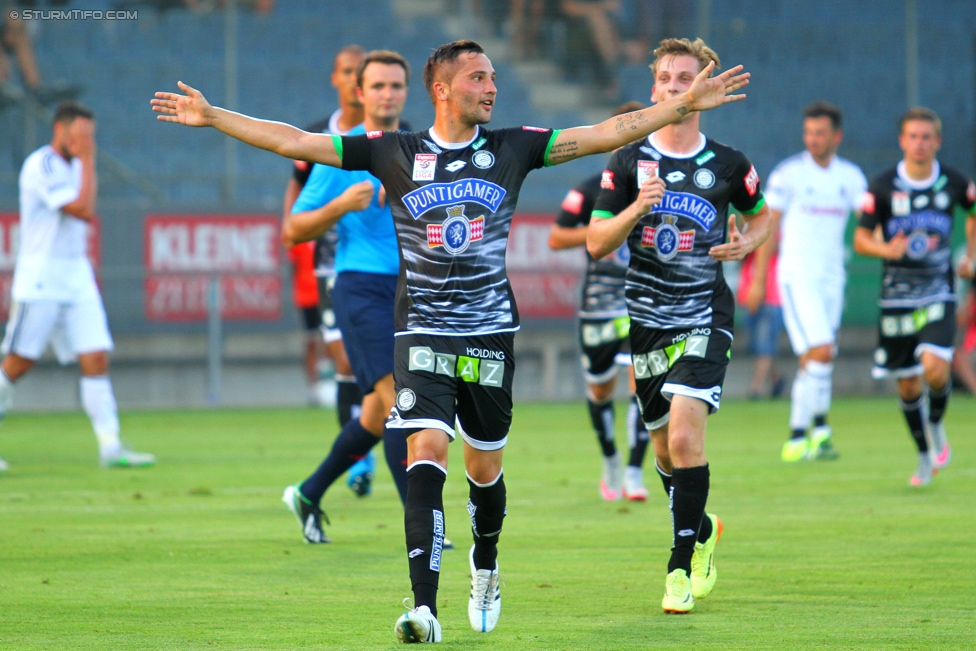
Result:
pixel 327 318
pixel 689 362
pixel 443 382
pixel 311 318
pixel 606 344
pixel 364 312
pixel 905 333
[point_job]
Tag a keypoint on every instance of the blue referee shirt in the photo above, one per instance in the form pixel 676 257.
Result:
pixel 367 239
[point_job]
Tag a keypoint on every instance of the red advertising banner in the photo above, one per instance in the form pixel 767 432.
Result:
pixel 546 283
pixel 184 253
pixel 10 245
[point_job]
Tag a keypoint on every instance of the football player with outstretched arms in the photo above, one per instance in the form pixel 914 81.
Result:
pixel 453 189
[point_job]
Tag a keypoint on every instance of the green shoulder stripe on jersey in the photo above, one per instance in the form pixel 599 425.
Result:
pixel 602 214
pixel 759 206
pixel 337 143
pixel 552 139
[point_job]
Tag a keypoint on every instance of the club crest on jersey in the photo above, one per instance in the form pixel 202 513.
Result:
pixel 667 239
pixel 646 169
pixel 704 178
pixel 441 195
pixel 457 232
pixel 424 167
pixel 483 160
pixel 900 203
pixel 685 204
pixel 919 244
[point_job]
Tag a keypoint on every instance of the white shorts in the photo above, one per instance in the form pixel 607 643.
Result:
pixel 72 329
pixel 811 312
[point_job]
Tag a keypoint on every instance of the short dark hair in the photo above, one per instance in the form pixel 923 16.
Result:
pixel 387 57
pixel 825 110
pixel 70 111
pixel 445 55
pixel 923 114
pixel 353 49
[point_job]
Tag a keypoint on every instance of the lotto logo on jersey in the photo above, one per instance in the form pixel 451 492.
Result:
pixel 752 181
pixel 668 240
pixel 424 167
pixel 606 181
pixel 646 169
pixel 457 232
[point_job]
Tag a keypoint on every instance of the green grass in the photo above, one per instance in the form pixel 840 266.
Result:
pixel 199 552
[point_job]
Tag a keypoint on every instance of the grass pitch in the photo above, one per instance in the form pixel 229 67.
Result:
pixel 199 552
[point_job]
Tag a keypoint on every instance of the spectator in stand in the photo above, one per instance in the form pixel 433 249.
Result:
pixel 15 41
pixel 594 41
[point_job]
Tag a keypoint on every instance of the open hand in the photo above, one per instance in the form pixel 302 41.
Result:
pixel 707 92
pixel 80 139
pixel 191 109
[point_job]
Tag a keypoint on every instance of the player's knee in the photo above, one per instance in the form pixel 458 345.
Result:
pixel 94 363
pixel 600 392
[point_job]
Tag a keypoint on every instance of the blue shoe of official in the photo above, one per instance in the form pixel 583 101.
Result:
pixel 360 478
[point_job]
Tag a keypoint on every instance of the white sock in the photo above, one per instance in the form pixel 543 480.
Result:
pixel 99 403
pixel 801 402
pixel 821 378
pixel 6 393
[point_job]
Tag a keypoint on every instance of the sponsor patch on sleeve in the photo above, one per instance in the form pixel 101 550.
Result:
pixel 301 166
pixel 752 181
pixel 606 181
pixel 373 134
pixel 539 129
pixel 867 203
pixel 573 203
pixel 971 192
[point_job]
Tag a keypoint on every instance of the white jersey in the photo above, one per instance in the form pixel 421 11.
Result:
pixel 52 260
pixel 816 203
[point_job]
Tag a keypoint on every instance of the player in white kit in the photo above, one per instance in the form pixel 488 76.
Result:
pixel 55 298
pixel 812 195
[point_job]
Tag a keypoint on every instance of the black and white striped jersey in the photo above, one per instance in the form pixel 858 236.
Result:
pixel 672 282
pixel 923 212
pixel 603 286
pixel 452 205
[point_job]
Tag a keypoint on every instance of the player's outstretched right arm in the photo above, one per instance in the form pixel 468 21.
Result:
pixel 193 110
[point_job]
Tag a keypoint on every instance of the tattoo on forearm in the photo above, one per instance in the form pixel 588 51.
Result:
pixel 682 110
pixel 629 122
pixel 563 151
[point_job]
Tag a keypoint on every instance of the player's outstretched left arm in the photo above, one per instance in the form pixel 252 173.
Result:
pixel 758 226
pixel 705 93
pixel 193 110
